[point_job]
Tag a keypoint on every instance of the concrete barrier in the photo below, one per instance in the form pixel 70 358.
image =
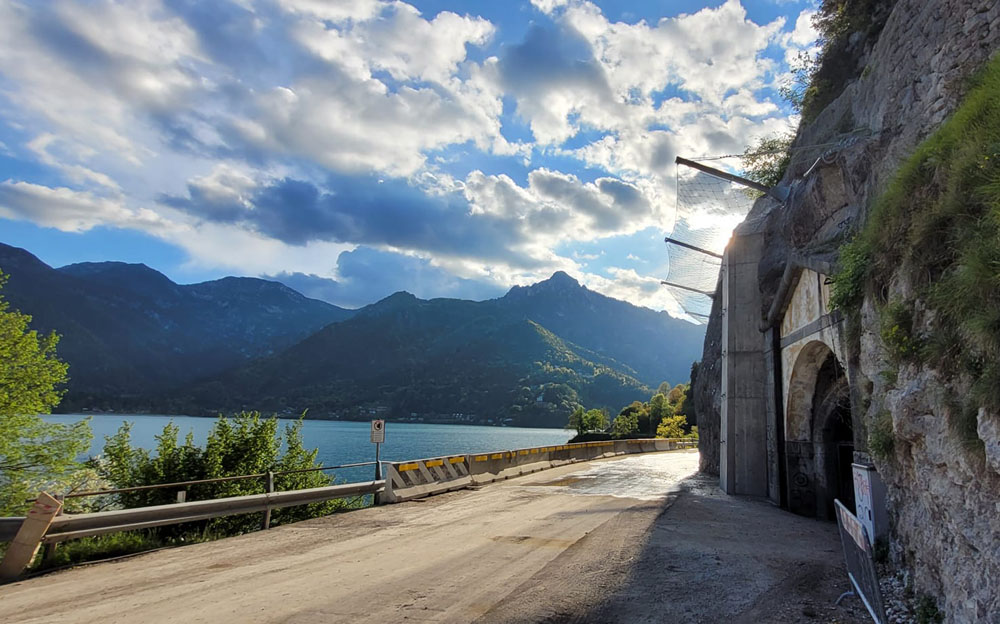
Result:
pixel 425 477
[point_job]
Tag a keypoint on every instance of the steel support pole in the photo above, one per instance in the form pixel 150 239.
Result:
pixel 269 488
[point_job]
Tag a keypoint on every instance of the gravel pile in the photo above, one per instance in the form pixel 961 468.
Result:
pixel 899 604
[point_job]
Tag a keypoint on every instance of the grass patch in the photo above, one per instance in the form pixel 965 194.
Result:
pixel 890 376
pixel 881 439
pixel 100 547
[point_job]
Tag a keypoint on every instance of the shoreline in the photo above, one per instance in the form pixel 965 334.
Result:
pixel 290 417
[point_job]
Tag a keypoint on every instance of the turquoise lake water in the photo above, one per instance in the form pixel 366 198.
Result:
pixel 340 442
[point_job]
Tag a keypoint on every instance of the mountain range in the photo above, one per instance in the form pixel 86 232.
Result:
pixel 137 341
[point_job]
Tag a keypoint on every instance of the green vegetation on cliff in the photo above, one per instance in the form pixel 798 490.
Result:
pixel 937 225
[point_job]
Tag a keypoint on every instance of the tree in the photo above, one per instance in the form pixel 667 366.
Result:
pixel 34 454
pixel 658 410
pixel 671 427
pixel 576 421
pixel 638 411
pixel 595 420
pixel 625 424
pixel 766 160
pixel 676 396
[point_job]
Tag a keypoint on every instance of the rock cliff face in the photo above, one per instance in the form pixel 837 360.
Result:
pixel 706 388
pixel 944 502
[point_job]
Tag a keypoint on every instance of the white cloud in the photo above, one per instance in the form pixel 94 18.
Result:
pixel 548 6
pixel 628 285
pixel 335 10
pixel 131 102
pixel 400 42
pixel 805 33
pixel 72 211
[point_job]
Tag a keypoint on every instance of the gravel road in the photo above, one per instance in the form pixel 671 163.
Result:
pixel 637 539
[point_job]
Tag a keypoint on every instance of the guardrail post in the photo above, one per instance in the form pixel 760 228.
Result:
pixel 50 549
pixel 269 488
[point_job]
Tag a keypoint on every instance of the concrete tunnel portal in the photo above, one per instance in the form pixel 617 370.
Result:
pixel 819 443
pixel 787 430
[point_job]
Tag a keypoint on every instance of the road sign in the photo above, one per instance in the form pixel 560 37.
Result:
pixel 378 431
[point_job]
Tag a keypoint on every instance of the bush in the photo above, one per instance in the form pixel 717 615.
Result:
pixel 848 288
pixel 881 439
pixel 765 162
pixel 896 320
pixel 241 445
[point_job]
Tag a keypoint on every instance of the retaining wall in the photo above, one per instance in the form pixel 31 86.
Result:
pixel 424 477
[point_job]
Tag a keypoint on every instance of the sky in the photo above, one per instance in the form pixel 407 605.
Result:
pixel 354 148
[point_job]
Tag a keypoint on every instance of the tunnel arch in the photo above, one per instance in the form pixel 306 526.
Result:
pixel 819 436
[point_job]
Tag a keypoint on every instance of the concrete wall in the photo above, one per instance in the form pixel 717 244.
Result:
pixel 743 419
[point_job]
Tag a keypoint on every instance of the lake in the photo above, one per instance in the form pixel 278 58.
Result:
pixel 339 442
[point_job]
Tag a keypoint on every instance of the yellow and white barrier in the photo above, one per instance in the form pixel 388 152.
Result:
pixel 424 477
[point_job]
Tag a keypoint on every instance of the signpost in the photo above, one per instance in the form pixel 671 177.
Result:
pixel 860 565
pixel 378 437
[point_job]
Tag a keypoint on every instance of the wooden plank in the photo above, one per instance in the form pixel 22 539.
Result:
pixel 25 544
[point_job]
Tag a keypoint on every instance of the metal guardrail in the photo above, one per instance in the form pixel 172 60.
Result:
pixel 405 480
pixel 43 525
pixel 9 527
pixel 178 484
pixel 72 526
pixel 92 524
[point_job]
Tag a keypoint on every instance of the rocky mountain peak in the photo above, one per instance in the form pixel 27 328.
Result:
pixel 559 284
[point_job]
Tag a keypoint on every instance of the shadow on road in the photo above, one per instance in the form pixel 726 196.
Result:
pixel 695 556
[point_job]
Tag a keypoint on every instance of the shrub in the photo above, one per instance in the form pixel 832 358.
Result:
pixel 848 288
pixel 240 445
pixel 896 320
pixel 881 439
pixel 766 160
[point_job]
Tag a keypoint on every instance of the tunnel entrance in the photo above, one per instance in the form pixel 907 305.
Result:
pixel 819 447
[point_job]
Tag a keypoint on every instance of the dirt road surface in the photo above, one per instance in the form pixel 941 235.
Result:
pixel 638 539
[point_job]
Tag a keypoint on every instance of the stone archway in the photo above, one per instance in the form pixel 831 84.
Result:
pixel 819 437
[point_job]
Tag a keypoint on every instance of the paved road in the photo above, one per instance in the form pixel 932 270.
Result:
pixel 554 546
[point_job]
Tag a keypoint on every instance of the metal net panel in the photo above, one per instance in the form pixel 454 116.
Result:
pixel 708 208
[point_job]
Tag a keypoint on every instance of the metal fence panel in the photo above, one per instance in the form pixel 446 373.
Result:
pixel 860 563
